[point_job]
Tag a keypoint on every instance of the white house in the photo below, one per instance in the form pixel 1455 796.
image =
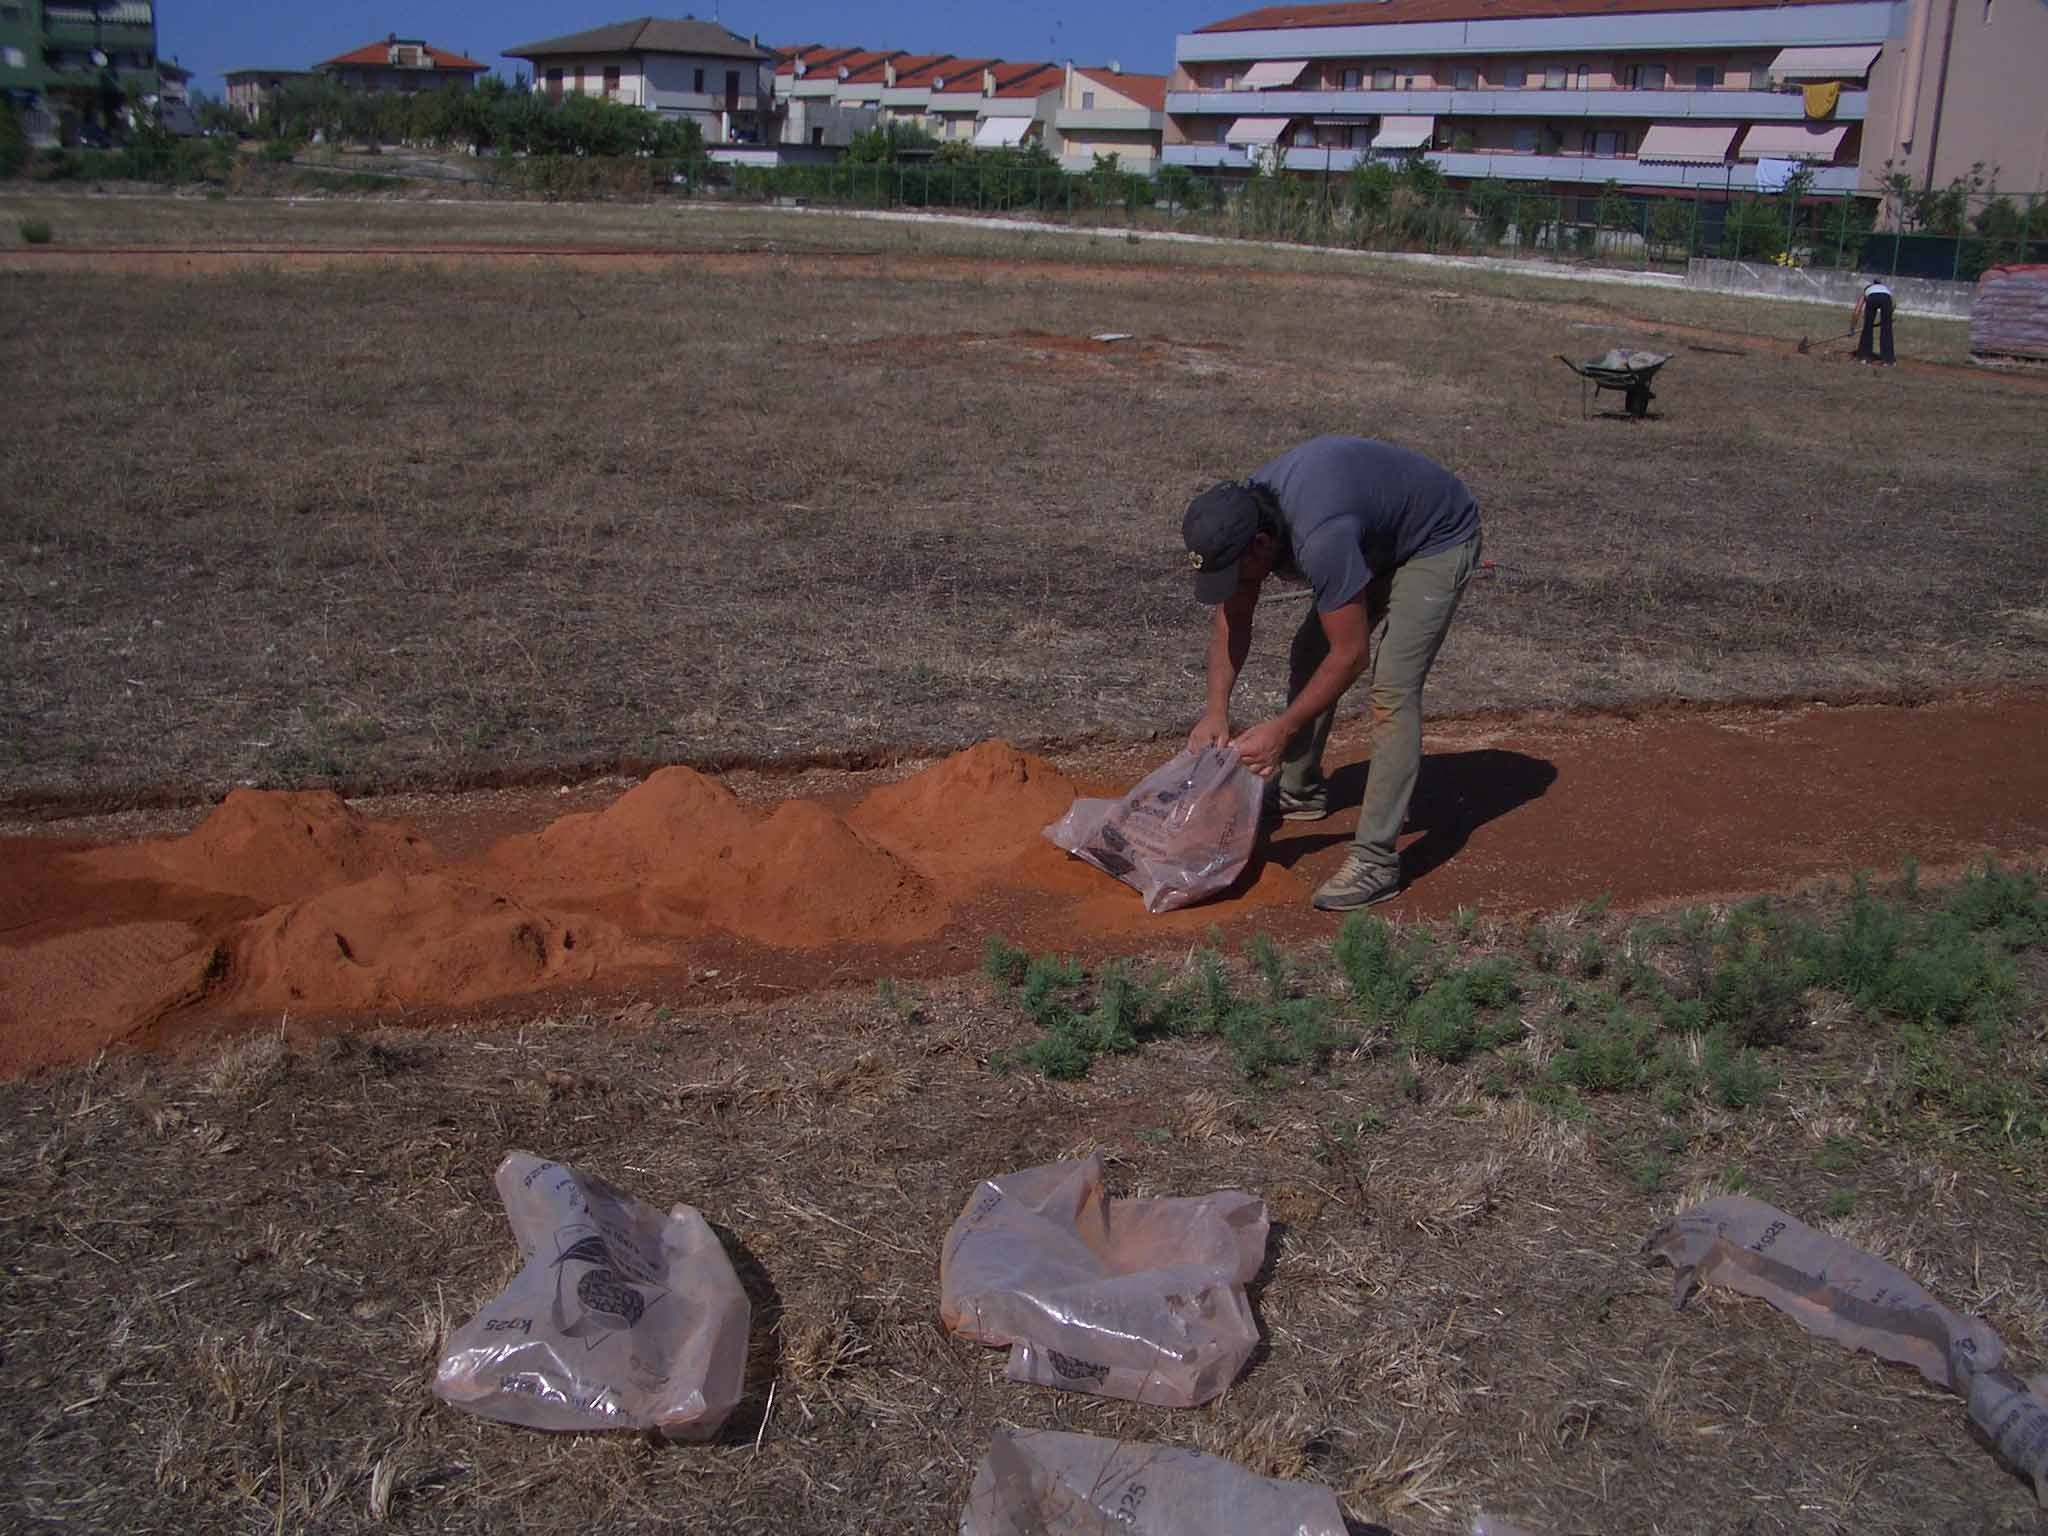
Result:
pixel 692 69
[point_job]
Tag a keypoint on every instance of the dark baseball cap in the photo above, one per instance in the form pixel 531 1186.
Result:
pixel 1219 527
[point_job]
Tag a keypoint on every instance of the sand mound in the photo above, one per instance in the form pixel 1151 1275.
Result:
pixel 415 939
pixel 669 828
pixel 804 877
pixel 275 846
pixel 976 809
pixel 65 998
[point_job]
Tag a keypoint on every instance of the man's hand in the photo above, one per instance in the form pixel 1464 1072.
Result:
pixel 1261 747
pixel 1209 731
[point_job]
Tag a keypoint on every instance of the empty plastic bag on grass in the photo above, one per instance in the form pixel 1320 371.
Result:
pixel 1181 836
pixel 1054 1484
pixel 1835 1290
pixel 1138 1299
pixel 619 1318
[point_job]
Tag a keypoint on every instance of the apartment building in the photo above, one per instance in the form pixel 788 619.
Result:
pixel 681 69
pixel 1106 112
pixel 827 96
pixel 1657 95
pixel 76 58
pixel 1001 105
pixel 253 90
pixel 401 66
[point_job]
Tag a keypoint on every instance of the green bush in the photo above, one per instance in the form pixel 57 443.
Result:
pixel 35 232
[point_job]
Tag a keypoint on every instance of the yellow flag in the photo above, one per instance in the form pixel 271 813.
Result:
pixel 1821 98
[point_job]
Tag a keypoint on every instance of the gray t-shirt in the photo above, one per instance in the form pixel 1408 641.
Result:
pixel 1356 507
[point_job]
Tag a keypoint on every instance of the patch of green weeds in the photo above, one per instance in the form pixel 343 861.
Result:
pixel 1841 1202
pixel 1836 1154
pixel 1456 1019
pixel 1605 1055
pixel 1560 1099
pixel 36 232
pixel 1379 970
pixel 1652 1174
pixel 1591 959
pixel 895 999
pixel 1113 1013
pixel 1736 1073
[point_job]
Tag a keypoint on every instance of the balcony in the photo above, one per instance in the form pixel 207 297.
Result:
pixel 1669 105
pixel 1584 170
pixel 1112 119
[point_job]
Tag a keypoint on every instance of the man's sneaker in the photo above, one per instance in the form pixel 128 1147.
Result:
pixel 1311 804
pixel 1357 884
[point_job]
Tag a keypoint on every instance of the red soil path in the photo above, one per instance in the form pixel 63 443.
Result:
pixel 303 907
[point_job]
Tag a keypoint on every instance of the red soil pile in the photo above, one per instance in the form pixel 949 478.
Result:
pixel 273 847
pixel 399 939
pixel 978 808
pixel 300 904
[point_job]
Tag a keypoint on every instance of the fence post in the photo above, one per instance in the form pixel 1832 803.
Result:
pixel 2026 227
pixel 1646 234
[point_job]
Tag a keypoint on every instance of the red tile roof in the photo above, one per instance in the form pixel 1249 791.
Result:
pixel 908 67
pixel 856 62
pixel 1148 91
pixel 962 75
pixel 1033 79
pixel 379 54
pixel 814 56
pixel 1395 12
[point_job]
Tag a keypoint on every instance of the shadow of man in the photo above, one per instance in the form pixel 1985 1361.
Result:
pixel 1456 794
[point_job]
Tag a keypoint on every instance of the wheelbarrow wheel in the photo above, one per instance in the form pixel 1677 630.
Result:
pixel 1637 400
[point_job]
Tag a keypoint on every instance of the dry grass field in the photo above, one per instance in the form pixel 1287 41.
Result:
pixel 809 490
pixel 412 524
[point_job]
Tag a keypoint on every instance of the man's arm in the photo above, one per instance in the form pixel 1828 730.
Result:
pixel 1230 641
pixel 1349 637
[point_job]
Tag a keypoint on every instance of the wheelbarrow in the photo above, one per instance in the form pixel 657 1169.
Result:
pixel 1627 373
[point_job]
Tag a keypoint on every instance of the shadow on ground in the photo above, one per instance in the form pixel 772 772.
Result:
pixel 1457 793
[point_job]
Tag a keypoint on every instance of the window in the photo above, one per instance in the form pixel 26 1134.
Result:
pixel 1643 77
pixel 1524 141
pixel 1087 101
pixel 1383 79
pixel 697 85
pixel 1706 77
pixel 554 85
pixel 817 134
pixel 1556 77
pixel 1465 77
pixel 1351 79
pixel 1605 142
pixel 10 13
pixel 16 59
pixel 611 79
pixel 579 79
pixel 1515 77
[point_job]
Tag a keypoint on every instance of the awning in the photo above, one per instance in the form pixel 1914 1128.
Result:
pixel 1686 143
pixel 1791 141
pixel 1824 63
pixel 1272 74
pixel 1256 130
pixel 1001 132
pixel 1404 132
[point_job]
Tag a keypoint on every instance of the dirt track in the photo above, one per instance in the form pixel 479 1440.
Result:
pixel 328 915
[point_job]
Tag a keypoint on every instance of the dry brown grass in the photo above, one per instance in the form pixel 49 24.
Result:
pixel 414 525
pixel 226 1282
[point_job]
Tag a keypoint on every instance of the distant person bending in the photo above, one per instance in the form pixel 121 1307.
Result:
pixel 1378 532
pixel 1874 313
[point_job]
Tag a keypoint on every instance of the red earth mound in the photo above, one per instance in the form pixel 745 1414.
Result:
pixel 303 905
pixel 299 904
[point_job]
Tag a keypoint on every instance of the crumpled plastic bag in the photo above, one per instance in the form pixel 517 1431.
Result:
pixel 620 1317
pixel 1835 1290
pixel 1054 1484
pixel 1183 835
pixel 1137 1299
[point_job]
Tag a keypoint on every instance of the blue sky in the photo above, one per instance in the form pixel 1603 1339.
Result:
pixel 208 36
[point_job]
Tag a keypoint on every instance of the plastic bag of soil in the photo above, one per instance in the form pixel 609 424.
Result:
pixel 1054 1484
pixel 1835 1290
pixel 1181 836
pixel 619 1318
pixel 1137 1299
